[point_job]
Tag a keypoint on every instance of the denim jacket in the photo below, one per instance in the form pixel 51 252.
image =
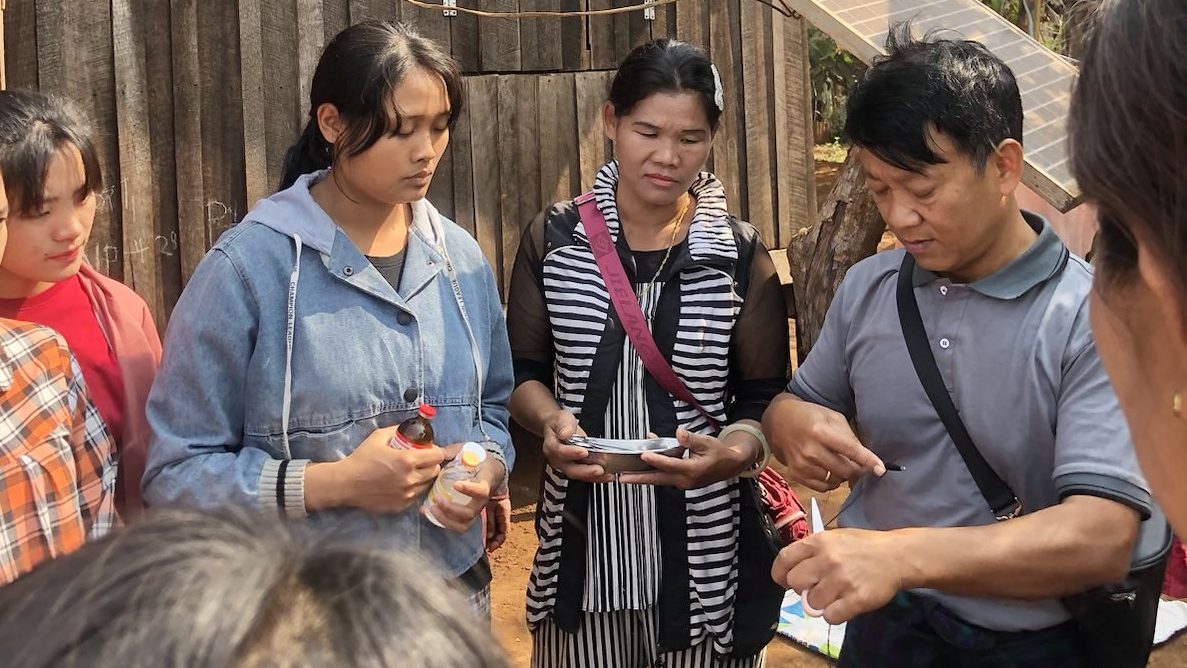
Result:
pixel 288 347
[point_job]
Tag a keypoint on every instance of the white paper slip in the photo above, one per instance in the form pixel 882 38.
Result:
pixel 817 523
pixel 817 527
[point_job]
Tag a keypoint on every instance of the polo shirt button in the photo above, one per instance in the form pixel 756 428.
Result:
pixel 404 318
pixel 411 394
pixel 349 271
pixel 945 344
pixel 943 289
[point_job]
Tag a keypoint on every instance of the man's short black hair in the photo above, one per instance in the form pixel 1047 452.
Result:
pixel 956 87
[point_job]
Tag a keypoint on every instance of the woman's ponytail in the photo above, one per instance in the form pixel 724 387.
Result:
pixel 310 153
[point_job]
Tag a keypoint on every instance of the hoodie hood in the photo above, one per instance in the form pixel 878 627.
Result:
pixel 295 214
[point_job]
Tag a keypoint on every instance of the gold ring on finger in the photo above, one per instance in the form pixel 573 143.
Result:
pixel 828 475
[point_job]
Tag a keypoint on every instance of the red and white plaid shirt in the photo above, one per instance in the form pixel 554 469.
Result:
pixel 57 462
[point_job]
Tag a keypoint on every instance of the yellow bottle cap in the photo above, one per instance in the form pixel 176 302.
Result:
pixel 472 455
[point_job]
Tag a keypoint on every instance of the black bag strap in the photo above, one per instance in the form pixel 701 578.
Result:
pixel 1002 500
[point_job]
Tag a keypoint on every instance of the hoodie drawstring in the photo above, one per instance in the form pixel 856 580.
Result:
pixel 288 345
pixel 475 350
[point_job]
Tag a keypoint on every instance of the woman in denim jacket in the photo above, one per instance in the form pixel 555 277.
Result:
pixel 331 312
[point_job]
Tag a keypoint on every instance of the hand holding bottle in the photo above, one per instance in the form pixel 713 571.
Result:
pixel 464 487
pixel 375 477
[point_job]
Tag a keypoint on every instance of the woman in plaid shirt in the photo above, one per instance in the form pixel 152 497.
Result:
pixel 57 472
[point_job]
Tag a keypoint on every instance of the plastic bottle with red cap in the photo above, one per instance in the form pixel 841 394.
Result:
pixel 416 432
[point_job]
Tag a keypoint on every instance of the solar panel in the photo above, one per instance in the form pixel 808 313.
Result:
pixel 1044 78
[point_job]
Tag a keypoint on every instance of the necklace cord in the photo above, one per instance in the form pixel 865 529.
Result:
pixel 675 222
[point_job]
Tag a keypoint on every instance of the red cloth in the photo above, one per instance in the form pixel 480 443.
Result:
pixel 133 335
pixel 115 340
pixel 64 307
pixel 1175 584
pixel 782 505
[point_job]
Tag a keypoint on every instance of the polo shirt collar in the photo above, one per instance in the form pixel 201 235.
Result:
pixel 1043 260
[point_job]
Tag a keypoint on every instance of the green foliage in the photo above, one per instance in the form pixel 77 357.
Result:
pixel 834 72
pixel 1011 10
pixel 1049 15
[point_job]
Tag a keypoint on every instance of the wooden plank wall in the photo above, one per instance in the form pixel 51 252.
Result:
pixel 194 104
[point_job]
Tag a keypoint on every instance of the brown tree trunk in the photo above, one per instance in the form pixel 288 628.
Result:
pixel 847 230
pixel 1038 11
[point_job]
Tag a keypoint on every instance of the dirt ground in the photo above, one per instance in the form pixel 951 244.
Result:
pixel 826 175
pixel 512 563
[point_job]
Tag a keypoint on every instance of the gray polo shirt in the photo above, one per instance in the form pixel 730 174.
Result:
pixel 1017 356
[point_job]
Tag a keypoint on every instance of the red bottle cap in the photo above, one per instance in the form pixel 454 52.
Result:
pixel 427 412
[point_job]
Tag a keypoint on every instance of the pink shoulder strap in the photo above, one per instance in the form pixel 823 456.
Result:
pixel 622 295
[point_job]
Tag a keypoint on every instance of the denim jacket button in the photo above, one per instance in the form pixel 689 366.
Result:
pixel 411 394
pixel 404 318
pixel 349 271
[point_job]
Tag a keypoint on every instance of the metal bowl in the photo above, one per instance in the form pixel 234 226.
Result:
pixel 623 455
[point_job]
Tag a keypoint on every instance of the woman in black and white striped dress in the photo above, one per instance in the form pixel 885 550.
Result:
pixel 665 568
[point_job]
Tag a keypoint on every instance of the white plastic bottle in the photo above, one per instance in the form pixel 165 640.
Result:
pixel 463 467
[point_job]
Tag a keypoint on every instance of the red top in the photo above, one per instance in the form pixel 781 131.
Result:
pixel 65 308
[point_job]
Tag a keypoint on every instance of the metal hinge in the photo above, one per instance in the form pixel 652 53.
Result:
pixel 449 12
pixel 649 12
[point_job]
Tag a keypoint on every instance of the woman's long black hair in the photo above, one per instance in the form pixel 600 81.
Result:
pixel 358 73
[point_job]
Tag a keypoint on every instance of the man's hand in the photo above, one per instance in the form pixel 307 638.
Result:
pixel 846 572
pixel 816 444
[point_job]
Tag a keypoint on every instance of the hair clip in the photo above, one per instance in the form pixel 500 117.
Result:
pixel 718 89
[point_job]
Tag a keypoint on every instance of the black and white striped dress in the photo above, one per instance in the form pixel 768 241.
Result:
pixel 623 554
pixel 623 527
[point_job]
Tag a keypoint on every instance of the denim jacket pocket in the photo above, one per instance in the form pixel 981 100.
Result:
pixel 319 444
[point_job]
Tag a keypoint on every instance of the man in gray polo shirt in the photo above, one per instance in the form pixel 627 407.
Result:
pixel 923 571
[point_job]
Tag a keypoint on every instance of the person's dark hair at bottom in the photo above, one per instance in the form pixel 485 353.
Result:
pixel 237 590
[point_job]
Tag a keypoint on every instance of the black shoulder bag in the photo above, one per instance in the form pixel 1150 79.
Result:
pixel 1116 622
